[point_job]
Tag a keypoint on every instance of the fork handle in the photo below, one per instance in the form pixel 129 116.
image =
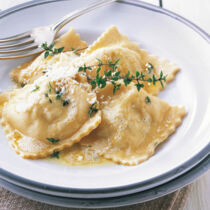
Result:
pixel 66 19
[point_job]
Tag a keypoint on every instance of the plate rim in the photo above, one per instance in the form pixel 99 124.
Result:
pixel 186 166
pixel 132 199
pixel 138 3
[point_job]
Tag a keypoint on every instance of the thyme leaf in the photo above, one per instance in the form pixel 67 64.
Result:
pixel 92 109
pixel 55 155
pixel 76 51
pixel 149 67
pixel 147 100
pixel 52 140
pixel 51 50
pixel 66 102
pixel 59 94
pixel 50 87
pixel 36 88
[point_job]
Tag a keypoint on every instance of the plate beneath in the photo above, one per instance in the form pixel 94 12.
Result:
pixel 141 197
pixel 160 32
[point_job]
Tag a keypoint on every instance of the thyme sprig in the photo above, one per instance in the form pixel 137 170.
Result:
pixel 113 75
pixel 51 50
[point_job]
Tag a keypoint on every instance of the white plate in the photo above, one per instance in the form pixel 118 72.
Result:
pixel 160 32
pixel 136 198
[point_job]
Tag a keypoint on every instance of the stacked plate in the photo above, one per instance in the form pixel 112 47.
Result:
pixel 179 161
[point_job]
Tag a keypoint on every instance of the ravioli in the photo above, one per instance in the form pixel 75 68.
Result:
pixel 112 46
pixel 139 126
pixel 168 68
pixel 131 129
pixel 28 72
pixel 47 116
pixel 128 60
pixel 50 115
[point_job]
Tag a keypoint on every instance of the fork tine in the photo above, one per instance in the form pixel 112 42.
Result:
pixel 16 37
pixel 33 52
pixel 19 50
pixel 16 45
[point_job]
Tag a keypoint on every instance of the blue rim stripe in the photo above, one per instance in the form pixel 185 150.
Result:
pixel 161 179
pixel 122 201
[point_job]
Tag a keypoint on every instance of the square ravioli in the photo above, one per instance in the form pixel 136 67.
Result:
pixel 31 70
pixel 47 116
pixel 131 127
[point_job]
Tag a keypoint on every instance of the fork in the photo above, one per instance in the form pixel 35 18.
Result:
pixel 29 43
